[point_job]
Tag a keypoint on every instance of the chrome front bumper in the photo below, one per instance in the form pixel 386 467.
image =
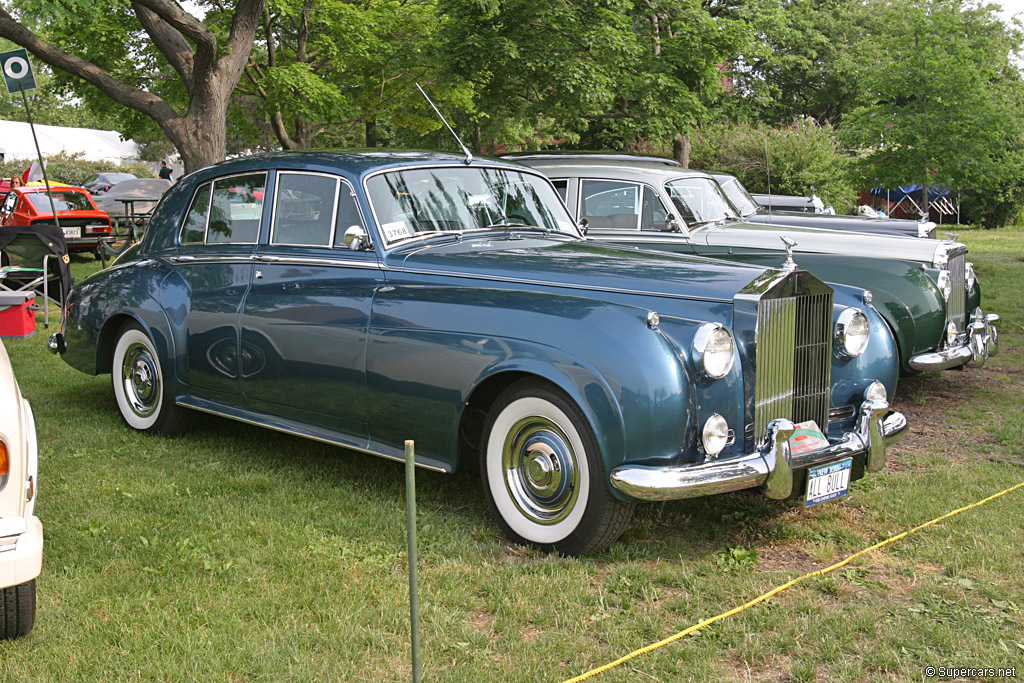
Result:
pixel 771 466
pixel 981 342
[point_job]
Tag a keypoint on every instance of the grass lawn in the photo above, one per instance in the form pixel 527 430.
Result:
pixel 239 554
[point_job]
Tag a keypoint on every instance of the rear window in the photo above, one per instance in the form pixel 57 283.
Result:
pixel 62 201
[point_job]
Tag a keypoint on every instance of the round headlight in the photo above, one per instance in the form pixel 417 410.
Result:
pixel 969 275
pixel 852 333
pixel 876 390
pixel 715 350
pixel 951 333
pixel 716 435
pixel 945 284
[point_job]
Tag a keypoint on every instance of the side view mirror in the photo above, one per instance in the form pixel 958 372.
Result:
pixel 355 238
pixel 672 225
pixel 584 225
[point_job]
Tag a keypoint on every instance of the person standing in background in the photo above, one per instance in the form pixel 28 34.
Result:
pixel 165 172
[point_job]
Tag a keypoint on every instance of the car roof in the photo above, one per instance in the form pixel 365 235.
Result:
pixel 641 170
pixel 355 161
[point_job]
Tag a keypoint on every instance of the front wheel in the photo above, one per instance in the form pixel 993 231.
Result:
pixel 139 386
pixel 543 474
pixel 17 610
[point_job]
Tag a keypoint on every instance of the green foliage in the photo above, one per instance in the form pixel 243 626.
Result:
pixel 72 168
pixel 793 158
pixel 946 103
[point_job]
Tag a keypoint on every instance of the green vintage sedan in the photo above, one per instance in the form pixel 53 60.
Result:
pixel 925 289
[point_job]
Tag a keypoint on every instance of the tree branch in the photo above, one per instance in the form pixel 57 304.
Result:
pixel 169 41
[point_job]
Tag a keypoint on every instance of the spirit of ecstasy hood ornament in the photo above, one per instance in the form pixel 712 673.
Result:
pixel 790 265
pixel 952 236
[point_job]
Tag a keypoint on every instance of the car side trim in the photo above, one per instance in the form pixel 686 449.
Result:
pixel 288 427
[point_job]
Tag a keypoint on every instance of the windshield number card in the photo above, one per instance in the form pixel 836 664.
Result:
pixel 828 482
pixel 395 231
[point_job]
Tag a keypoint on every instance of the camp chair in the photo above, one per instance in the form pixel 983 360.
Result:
pixel 33 256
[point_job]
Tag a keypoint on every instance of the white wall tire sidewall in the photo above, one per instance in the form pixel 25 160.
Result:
pixel 528 529
pixel 127 338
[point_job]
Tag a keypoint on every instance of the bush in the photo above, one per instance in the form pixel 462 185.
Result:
pixel 799 156
pixel 73 168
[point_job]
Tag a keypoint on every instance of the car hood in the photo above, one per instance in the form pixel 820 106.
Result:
pixel 821 241
pixel 830 222
pixel 583 265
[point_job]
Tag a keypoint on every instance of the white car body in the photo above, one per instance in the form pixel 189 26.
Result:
pixel 21 533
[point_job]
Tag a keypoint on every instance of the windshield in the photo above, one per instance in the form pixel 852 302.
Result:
pixel 459 199
pixel 699 200
pixel 62 201
pixel 739 196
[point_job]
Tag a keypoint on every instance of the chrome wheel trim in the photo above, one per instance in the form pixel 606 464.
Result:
pixel 562 513
pixel 140 377
pixel 540 470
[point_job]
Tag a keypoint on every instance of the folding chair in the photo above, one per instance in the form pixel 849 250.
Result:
pixel 31 256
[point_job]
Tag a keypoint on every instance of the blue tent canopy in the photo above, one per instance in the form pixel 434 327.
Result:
pixel 913 191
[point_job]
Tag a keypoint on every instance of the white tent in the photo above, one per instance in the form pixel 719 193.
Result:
pixel 95 145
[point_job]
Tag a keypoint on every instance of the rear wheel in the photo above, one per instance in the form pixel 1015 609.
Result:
pixel 17 610
pixel 139 386
pixel 543 474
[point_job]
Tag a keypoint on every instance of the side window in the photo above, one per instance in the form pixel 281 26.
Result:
pixel 562 186
pixel 236 208
pixel 610 204
pixel 348 214
pixel 653 213
pixel 194 230
pixel 304 210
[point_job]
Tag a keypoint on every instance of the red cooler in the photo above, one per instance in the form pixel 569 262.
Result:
pixel 17 317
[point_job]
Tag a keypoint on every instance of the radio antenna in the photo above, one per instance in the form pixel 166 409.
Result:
pixel 469 155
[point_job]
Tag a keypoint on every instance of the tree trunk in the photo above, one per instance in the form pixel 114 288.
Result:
pixel 681 149
pixel 371 133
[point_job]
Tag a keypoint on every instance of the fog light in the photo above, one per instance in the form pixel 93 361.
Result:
pixel 951 333
pixel 716 435
pixel 876 390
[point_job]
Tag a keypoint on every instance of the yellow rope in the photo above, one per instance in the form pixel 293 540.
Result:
pixel 779 589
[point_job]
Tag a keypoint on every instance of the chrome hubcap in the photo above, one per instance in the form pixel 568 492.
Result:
pixel 141 380
pixel 541 472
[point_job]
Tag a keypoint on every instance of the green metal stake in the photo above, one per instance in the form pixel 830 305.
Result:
pixel 410 523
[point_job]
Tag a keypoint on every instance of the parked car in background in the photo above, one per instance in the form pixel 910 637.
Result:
pixel 21 533
pixel 98 183
pixel 83 224
pixel 366 299
pixel 140 195
pixel 751 209
pixel 793 203
pixel 925 289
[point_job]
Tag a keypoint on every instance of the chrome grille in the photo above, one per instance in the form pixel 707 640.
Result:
pixel 956 307
pixel 793 369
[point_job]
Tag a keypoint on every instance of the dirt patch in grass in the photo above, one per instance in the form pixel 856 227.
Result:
pixel 790 558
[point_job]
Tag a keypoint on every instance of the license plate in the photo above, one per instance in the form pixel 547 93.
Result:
pixel 72 232
pixel 828 482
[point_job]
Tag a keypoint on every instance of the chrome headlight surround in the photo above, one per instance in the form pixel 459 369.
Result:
pixel 715 436
pixel 969 277
pixel 853 331
pixel 945 284
pixel 714 351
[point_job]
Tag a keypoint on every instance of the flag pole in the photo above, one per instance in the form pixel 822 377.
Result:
pixel 46 181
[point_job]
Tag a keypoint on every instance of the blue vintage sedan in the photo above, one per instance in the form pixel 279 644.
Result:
pixel 362 299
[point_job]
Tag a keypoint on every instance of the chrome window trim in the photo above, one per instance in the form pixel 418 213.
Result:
pixel 461 165
pixel 277 195
pixel 191 204
pixel 362 218
pixel 213 183
pixel 312 261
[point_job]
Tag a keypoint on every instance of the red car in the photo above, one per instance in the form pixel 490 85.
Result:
pixel 83 224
